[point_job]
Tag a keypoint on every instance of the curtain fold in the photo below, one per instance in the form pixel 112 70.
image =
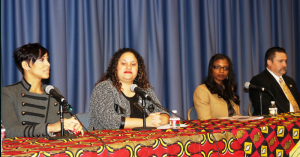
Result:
pixel 175 37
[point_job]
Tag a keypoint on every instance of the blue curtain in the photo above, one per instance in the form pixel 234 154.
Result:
pixel 175 37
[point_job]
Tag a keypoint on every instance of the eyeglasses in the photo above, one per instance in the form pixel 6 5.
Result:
pixel 218 67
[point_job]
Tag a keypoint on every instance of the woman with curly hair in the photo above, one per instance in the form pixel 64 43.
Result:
pixel 113 105
pixel 217 96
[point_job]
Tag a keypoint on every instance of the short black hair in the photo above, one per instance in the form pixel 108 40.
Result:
pixel 28 52
pixel 270 54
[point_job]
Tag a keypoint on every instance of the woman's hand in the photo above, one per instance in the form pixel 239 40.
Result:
pixel 154 120
pixel 69 124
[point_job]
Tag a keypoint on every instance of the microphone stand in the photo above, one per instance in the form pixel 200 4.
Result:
pixel 144 120
pixel 62 136
pixel 165 109
pixel 260 99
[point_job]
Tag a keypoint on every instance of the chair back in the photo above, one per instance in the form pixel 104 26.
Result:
pixel 84 118
pixel 192 114
pixel 250 109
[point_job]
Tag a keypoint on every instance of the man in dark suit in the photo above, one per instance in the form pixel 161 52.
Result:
pixel 273 79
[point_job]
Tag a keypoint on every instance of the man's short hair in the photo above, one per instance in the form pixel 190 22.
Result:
pixel 270 54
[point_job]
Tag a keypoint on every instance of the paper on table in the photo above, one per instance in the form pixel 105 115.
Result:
pixel 242 118
pixel 167 126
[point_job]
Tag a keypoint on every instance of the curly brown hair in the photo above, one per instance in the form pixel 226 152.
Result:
pixel 141 79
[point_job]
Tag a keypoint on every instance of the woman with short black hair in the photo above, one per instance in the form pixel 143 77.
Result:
pixel 26 110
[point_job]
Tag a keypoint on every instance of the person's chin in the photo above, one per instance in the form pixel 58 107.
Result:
pixel 221 79
pixel 128 79
pixel 45 77
pixel 282 72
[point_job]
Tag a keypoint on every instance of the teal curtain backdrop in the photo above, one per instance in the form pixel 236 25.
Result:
pixel 175 37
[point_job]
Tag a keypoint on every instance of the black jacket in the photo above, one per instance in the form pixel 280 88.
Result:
pixel 266 80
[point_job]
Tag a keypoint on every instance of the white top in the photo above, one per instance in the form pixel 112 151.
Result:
pixel 174 111
pixel 277 79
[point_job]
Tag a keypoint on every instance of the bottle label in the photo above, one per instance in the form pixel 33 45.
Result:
pixel 2 137
pixel 273 111
pixel 175 123
pixel 2 133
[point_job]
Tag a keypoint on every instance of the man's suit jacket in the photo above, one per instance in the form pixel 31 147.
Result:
pixel 209 106
pixel 266 80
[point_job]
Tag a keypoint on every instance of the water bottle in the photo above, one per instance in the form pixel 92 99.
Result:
pixel 174 120
pixel 2 134
pixel 273 109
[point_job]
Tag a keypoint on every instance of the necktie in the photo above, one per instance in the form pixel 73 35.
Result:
pixel 289 95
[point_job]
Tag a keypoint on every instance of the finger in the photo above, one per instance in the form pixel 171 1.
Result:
pixel 82 132
pixel 152 114
pixel 156 124
pixel 156 121
pixel 157 113
pixel 78 127
pixel 156 117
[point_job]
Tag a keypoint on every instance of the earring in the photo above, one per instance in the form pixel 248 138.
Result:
pixel 27 69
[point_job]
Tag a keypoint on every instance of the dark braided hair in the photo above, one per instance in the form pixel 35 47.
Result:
pixel 229 93
pixel 111 73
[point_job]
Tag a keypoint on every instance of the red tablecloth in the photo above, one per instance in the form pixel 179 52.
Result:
pixel 129 143
pixel 265 137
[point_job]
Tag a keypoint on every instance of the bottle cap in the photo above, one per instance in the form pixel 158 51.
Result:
pixel 273 102
pixel 174 111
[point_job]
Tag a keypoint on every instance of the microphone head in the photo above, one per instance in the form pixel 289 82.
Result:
pixel 132 87
pixel 48 88
pixel 247 84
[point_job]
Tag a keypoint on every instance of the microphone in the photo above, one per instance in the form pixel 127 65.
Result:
pixel 138 90
pixel 50 90
pixel 248 85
